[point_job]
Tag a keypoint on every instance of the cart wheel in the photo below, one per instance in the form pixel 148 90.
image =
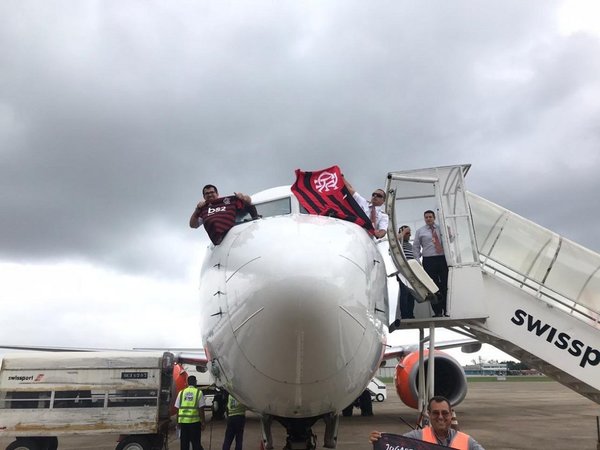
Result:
pixel 23 444
pixel 379 397
pixel 50 443
pixel 133 443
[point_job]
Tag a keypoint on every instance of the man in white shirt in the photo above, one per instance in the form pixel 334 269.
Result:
pixel 428 243
pixel 373 209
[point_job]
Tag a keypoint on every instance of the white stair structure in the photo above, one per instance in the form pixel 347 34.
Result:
pixel 512 283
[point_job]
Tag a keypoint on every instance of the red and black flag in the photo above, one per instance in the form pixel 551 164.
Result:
pixel 324 193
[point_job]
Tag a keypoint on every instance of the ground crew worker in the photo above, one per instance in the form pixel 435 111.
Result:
pixel 439 431
pixel 236 420
pixel 190 415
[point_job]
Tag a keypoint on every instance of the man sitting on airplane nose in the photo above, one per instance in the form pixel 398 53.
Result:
pixel 218 214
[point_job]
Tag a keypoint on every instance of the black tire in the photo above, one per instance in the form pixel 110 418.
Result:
pixel 347 411
pixel 23 444
pixel 133 443
pixel 50 443
pixel 219 405
pixel 379 397
pixel 366 404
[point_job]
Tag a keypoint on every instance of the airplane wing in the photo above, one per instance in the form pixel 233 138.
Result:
pixel 199 360
pixel 41 348
pixel 183 355
pixel 400 351
pixel 193 356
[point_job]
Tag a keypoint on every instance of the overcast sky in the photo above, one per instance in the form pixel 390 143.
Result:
pixel 114 114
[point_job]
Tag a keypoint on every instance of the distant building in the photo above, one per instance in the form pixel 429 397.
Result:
pixel 491 368
pixel 387 371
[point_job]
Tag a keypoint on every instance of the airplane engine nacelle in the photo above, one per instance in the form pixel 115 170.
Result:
pixel 450 379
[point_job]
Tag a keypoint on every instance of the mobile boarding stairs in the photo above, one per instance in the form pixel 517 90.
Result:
pixel 512 283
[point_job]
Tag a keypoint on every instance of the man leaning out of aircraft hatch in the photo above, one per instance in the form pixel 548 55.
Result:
pixel 373 209
pixel 439 431
pixel 218 214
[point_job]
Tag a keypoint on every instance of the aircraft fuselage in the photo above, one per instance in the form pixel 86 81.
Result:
pixel 294 313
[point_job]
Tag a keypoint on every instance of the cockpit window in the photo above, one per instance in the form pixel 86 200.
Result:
pixel 274 208
pixel 267 209
pixel 247 214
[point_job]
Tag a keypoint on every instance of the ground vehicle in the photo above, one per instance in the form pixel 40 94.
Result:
pixel 377 389
pixel 46 395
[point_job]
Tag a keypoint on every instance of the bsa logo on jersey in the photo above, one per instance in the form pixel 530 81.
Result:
pixel 216 210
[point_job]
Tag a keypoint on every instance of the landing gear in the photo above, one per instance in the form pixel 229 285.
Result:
pixel 299 432
pixel 304 442
pixel 348 410
pixel 364 402
pixel 219 405
pixel 332 422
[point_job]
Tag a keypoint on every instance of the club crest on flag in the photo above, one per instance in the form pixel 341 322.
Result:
pixel 323 193
pixel 326 181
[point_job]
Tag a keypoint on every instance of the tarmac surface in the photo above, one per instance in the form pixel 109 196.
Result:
pixel 499 415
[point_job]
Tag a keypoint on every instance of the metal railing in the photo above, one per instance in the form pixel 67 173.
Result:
pixel 548 266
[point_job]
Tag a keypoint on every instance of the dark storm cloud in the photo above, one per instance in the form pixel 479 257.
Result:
pixel 113 115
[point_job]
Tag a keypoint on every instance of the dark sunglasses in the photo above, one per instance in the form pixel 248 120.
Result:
pixel 439 413
pixel 377 194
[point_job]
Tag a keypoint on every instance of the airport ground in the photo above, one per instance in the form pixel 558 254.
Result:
pixel 501 415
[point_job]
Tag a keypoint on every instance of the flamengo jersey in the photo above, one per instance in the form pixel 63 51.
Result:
pixel 324 193
pixel 219 216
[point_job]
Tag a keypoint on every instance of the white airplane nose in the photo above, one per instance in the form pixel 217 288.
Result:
pixel 311 337
pixel 292 326
pixel 312 312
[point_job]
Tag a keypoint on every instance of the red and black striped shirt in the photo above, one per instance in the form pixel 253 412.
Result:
pixel 219 216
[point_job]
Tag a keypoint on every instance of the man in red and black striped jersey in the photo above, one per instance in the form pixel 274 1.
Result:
pixel 218 214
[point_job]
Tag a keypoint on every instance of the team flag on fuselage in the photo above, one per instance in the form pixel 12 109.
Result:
pixel 324 193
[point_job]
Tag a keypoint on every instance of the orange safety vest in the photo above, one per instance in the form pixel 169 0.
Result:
pixel 460 441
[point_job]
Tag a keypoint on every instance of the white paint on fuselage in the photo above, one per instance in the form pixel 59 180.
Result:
pixel 294 313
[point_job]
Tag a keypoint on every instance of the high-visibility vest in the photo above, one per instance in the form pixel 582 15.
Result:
pixel 460 441
pixel 235 408
pixel 188 405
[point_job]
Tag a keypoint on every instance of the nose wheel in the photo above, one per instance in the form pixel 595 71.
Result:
pixel 299 432
pixel 301 443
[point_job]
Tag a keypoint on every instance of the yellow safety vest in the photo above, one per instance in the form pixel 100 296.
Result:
pixel 235 408
pixel 188 405
pixel 460 441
